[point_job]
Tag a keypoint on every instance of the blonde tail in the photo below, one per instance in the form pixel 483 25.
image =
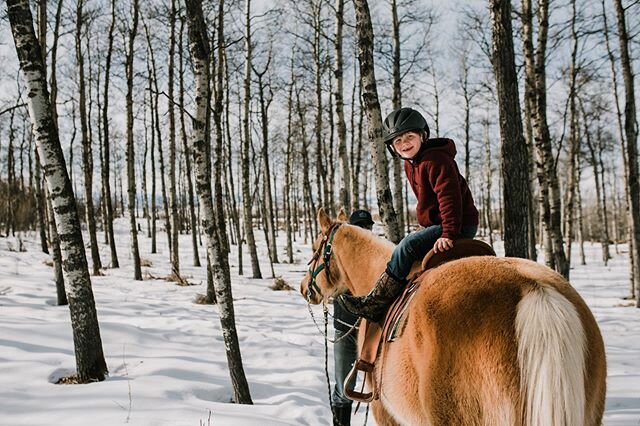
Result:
pixel 551 356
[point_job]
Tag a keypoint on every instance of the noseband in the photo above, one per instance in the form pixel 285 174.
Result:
pixel 325 250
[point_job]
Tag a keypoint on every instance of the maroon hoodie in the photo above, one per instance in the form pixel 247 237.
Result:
pixel 443 195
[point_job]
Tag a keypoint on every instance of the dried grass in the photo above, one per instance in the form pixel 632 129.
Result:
pixel 68 380
pixel 279 284
pixel 201 299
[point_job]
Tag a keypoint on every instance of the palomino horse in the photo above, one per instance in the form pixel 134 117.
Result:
pixel 487 341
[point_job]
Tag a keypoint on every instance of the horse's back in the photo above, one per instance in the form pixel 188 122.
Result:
pixel 460 350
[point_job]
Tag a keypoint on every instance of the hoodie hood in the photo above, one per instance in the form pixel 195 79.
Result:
pixel 437 145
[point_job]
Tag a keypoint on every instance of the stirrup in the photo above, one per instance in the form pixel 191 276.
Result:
pixel 365 367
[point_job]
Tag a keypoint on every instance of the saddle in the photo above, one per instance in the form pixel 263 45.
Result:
pixel 377 335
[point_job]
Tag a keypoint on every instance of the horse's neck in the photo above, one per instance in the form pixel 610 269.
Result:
pixel 363 258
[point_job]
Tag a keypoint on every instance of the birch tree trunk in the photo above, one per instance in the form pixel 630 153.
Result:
pixel 187 155
pixel 547 175
pixel 304 152
pixel 488 179
pixel 288 175
pixel 90 362
pixel 152 158
pixel 398 170
pixel 321 173
pixel 199 45
pixel 345 172
pixel 87 154
pixel 221 226
pixel 356 142
pixel 514 150
pixel 574 140
pixel 145 194
pixel 364 31
pixel 625 162
pixel 61 295
pixel 106 169
pixel 543 143
pixel 604 237
pixel 232 192
pixel 156 108
pixel 39 192
pixel 531 218
pixel 173 201
pixel 130 153
pixel 631 133
pixel 246 142
pixel 266 170
pixel 55 238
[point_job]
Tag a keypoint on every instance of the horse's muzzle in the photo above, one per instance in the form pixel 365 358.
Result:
pixel 310 296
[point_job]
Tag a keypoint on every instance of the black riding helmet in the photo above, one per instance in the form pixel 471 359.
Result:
pixel 401 121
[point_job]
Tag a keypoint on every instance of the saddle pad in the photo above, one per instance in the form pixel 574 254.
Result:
pixel 461 248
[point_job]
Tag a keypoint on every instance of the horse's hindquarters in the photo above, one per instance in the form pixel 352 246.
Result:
pixel 458 360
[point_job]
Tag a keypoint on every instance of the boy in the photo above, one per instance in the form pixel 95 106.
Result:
pixel 445 207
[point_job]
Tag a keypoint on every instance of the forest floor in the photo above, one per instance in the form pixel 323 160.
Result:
pixel 166 357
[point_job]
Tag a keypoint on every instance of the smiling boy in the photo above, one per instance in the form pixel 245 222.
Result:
pixel 445 207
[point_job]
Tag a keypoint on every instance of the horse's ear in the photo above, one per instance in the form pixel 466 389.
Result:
pixel 342 215
pixel 324 220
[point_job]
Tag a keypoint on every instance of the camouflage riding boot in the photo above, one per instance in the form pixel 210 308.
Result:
pixel 374 305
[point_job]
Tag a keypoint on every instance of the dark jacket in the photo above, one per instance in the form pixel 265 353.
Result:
pixel 443 195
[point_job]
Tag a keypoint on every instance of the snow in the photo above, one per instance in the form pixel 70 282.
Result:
pixel 166 357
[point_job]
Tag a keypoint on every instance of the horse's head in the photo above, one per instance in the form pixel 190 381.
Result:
pixel 323 279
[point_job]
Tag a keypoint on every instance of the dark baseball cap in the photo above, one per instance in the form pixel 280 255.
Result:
pixel 361 218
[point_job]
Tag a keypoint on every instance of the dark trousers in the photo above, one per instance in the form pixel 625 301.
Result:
pixel 344 352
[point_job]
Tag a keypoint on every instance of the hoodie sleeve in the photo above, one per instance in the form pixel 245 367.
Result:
pixel 443 177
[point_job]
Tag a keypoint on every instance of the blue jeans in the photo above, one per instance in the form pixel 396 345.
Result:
pixel 344 352
pixel 416 245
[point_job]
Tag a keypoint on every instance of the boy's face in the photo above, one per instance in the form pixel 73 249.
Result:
pixel 407 144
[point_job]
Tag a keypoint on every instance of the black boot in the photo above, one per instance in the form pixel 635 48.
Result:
pixel 342 415
pixel 374 305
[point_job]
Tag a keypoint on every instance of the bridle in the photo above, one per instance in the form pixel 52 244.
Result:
pixel 324 250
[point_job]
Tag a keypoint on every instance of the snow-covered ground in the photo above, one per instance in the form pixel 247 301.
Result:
pixel 166 358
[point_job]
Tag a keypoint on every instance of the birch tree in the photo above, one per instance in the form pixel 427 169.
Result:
pixel 90 362
pixel 53 232
pixel 187 153
pixel 265 100
pixel 199 47
pixel 173 202
pixel 514 150
pixel 106 167
pixel 536 91
pixel 364 31
pixel 246 142
pixel 130 152
pixel 87 153
pixel 631 134
pixel 345 172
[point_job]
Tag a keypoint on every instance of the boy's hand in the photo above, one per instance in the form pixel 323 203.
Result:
pixel 442 244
